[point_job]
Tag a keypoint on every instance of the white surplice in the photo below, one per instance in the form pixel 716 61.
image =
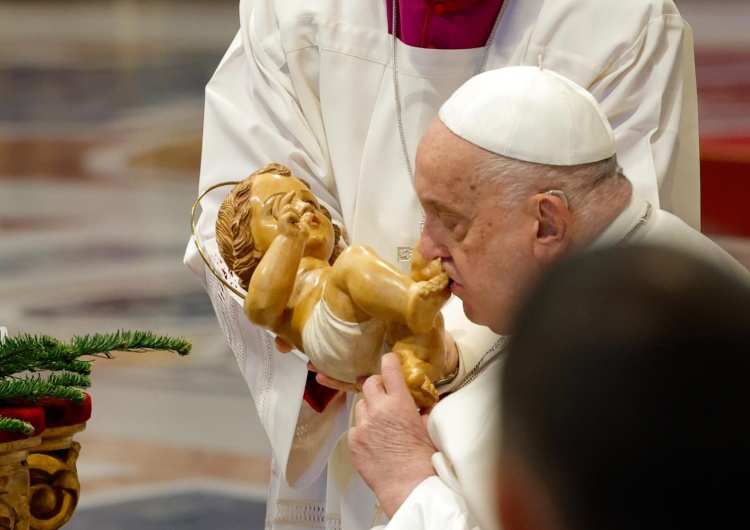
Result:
pixel 642 224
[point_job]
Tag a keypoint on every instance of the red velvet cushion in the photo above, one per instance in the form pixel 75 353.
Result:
pixel 61 412
pixel 31 413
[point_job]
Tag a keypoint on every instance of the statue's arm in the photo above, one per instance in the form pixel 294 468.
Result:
pixel 272 283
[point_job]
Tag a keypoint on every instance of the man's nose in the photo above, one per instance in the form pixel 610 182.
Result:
pixel 429 247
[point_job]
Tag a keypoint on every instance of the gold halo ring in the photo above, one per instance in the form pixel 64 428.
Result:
pixel 199 245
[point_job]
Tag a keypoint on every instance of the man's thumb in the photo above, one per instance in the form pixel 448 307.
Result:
pixel 393 376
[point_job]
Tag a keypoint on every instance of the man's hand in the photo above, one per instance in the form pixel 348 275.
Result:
pixel 389 442
pixel 330 382
pixel 282 345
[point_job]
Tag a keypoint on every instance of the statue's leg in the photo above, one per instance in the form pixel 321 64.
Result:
pixel 424 302
pixel 363 285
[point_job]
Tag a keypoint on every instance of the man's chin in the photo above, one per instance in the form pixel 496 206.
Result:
pixel 482 318
pixel 470 312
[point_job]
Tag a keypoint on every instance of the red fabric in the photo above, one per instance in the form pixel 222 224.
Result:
pixel 317 395
pixel 725 183
pixel 61 412
pixel 445 24
pixel 31 413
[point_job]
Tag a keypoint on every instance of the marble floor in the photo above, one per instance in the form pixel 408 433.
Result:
pixel 100 131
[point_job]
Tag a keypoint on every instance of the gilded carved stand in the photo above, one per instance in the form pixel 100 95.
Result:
pixel 39 486
pixel 54 487
pixel 14 483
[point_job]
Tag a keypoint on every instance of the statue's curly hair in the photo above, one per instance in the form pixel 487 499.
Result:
pixel 233 234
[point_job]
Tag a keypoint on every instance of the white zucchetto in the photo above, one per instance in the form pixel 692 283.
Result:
pixel 530 113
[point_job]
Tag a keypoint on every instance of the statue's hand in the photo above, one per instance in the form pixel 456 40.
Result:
pixel 293 222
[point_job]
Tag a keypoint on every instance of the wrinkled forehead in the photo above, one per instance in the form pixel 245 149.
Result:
pixel 446 164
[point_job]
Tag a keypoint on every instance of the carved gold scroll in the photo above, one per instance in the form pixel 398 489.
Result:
pixel 54 488
pixel 14 484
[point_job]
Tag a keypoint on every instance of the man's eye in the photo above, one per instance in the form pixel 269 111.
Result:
pixel 448 221
pixel 454 225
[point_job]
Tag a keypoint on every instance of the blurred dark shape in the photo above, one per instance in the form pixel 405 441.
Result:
pixel 626 392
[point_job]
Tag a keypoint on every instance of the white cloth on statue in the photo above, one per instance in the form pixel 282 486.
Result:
pixel 307 83
pixel 340 349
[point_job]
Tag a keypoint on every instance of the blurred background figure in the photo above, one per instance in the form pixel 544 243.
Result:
pixel 625 395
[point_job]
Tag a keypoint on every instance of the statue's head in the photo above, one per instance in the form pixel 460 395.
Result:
pixel 248 220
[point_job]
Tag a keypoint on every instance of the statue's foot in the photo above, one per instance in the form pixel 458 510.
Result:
pixel 420 386
pixel 424 302
pixel 426 395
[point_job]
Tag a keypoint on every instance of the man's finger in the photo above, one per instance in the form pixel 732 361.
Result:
pixel 425 415
pixel 373 387
pixel 282 345
pixel 360 410
pixel 393 377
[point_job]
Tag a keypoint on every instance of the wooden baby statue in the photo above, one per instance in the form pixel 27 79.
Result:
pixel 342 312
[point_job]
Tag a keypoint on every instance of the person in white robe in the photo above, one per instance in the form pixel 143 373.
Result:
pixel 311 84
pixel 518 171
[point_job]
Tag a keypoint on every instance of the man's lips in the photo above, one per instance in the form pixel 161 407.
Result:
pixel 451 282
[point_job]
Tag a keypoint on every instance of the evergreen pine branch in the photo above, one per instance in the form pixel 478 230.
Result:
pixel 26 344
pixel 57 364
pixel 16 425
pixel 27 353
pixel 69 379
pixel 37 353
pixel 33 389
pixel 24 355
pixel 128 341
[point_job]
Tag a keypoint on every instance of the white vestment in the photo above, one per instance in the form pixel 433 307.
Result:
pixel 641 223
pixel 309 83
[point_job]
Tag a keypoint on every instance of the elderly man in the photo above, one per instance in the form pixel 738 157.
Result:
pixel 652 344
pixel 518 170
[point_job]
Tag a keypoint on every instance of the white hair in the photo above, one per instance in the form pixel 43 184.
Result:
pixel 519 180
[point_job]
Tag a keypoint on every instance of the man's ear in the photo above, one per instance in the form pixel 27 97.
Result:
pixel 554 223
